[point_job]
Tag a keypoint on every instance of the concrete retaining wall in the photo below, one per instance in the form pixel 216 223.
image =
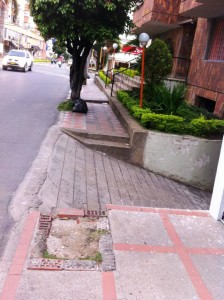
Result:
pixel 187 159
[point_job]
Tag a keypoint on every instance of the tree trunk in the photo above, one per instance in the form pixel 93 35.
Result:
pixel 79 51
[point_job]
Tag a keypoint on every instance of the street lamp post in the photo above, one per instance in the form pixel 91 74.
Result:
pixel 143 39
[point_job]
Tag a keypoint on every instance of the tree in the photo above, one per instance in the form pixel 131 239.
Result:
pixel 60 50
pixel 158 62
pixel 78 24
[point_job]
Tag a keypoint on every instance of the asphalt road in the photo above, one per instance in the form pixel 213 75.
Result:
pixel 28 108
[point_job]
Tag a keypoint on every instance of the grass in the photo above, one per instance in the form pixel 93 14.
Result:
pixel 66 105
pixel 47 255
pixel 97 258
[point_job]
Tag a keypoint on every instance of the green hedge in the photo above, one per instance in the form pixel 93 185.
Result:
pixel 129 72
pixel 104 77
pixel 200 127
pixel 41 60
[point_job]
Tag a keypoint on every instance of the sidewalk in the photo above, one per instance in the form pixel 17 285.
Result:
pixel 165 246
pixel 159 254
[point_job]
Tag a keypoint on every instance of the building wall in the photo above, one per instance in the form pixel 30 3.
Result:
pixel 205 77
pixel 186 5
pixel 158 11
pixel 2 14
pixel 189 41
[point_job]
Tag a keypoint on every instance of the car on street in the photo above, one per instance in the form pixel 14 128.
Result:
pixel 18 60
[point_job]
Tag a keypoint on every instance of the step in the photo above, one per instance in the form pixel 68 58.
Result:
pixel 118 150
pixel 136 80
pixel 129 83
pixel 122 86
pixel 121 138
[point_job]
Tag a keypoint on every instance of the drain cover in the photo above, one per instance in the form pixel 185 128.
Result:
pixel 95 213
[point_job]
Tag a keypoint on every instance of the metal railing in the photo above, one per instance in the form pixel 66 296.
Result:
pixel 113 72
pixel 126 78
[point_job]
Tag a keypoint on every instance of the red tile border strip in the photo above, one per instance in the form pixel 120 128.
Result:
pixel 12 281
pixel 192 271
pixel 208 251
pixel 159 210
pixel 108 283
pixel 166 249
pixel 144 248
pixel 69 213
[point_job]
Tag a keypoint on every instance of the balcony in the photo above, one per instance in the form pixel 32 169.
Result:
pixel 202 8
pixel 155 17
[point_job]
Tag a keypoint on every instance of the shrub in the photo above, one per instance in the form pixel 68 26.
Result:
pixel 187 111
pixel 125 99
pixel 104 77
pixel 158 62
pixel 165 123
pixel 166 100
pixel 129 72
pixel 202 127
pixel 198 126
pixel 190 112
pixel 137 112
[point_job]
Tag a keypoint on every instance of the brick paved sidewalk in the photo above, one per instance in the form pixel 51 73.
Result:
pixel 100 118
pixel 83 178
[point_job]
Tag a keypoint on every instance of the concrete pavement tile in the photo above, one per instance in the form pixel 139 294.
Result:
pixel 203 232
pixel 151 276
pixel 138 228
pixel 39 285
pixel 211 269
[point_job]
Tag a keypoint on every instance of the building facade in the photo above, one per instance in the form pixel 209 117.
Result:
pixel 2 18
pixel 18 30
pixel 195 32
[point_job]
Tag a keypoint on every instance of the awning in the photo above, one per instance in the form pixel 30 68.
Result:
pixel 24 31
pixel 126 57
pixel 12 42
pixel 132 49
pixel 35 48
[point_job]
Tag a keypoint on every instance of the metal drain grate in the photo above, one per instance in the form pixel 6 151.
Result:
pixel 45 223
pixel 95 213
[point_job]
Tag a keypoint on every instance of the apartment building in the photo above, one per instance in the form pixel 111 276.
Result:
pixel 2 16
pixel 195 32
pixel 19 31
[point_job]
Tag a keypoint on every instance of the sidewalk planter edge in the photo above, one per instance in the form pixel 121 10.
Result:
pixel 187 159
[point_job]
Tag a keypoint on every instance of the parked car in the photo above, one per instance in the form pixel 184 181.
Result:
pixel 19 60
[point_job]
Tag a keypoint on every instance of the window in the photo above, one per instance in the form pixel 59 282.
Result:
pixel 16 53
pixel 205 103
pixel 216 44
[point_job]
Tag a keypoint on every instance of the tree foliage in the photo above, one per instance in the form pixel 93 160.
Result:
pixel 60 49
pixel 158 62
pixel 78 24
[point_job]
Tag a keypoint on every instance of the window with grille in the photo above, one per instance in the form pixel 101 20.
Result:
pixel 216 44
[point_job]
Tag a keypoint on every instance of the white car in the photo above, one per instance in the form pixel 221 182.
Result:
pixel 18 59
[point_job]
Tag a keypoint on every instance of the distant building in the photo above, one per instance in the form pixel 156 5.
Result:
pixel 2 17
pixel 195 32
pixel 18 29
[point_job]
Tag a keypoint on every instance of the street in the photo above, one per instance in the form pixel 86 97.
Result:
pixel 28 109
